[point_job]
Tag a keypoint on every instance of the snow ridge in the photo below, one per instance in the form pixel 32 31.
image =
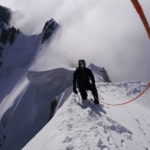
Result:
pixel 81 125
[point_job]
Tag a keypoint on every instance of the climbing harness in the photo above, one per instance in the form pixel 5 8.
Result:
pixel 141 93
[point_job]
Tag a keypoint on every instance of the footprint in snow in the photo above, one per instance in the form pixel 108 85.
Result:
pixel 69 127
pixel 98 109
pixel 102 146
pixel 70 147
pixel 123 145
pixel 67 140
pixel 110 141
pixel 118 128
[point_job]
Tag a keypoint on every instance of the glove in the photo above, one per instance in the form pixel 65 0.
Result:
pixel 75 91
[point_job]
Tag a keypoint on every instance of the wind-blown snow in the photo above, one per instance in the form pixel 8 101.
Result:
pixel 11 98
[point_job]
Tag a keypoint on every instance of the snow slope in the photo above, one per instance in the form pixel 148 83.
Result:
pixel 19 98
pixel 82 126
pixel 32 110
pixel 16 59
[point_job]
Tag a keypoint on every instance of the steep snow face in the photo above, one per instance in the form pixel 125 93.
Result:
pixel 16 60
pixel 81 125
pixel 21 107
pixel 28 106
pixel 24 49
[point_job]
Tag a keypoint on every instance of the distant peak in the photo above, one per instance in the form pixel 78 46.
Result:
pixel 49 27
pixel 100 71
pixel 95 66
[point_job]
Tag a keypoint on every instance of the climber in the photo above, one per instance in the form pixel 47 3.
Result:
pixel 83 78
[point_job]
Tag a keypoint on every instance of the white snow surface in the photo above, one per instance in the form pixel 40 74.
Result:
pixel 79 125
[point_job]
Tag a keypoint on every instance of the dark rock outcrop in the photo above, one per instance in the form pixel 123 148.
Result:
pixel 1 51
pixel 5 14
pixel 49 27
pixel 105 75
pixel 4 36
pixel 7 34
pixel 12 35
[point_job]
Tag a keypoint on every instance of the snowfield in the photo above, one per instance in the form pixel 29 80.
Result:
pixel 81 125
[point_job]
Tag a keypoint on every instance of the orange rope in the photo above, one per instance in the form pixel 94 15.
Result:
pixel 129 100
pixel 140 11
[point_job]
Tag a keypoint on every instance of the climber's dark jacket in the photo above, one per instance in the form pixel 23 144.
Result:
pixel 83 78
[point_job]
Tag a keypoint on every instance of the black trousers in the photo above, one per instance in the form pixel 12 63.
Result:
pixel 83 92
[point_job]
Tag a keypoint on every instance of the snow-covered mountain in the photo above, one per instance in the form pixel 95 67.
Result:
pixel 29 100
pixel 17 95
